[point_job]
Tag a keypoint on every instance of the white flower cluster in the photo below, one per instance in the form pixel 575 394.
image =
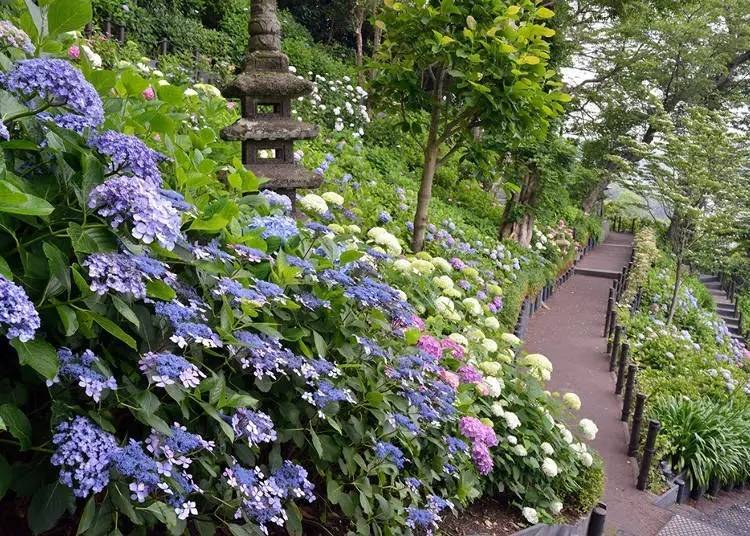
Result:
pixel 339 104
pixel 385 239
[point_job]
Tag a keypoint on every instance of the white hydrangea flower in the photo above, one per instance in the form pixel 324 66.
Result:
pixel 443 304
pixel 401 265
pixel 493 368
pixel 556 507
pixel 520 450
pixel 588 428
pixel 489 345
pixel 587 459
pixel 190 92
pixel 314 203
pixel 530 515
pixel 443 281
pixel 572 401
pixel 511 339
pixel 549 467
pixel 547 448
pixel 513 440
pixel 497 409
pixel 512 420
pixel 382 237
pixel 473 306
pixel 442 264
pixel 457 337
pixel 567 435
pixel 94 58
pixel 494 386
pixel 333 198
pixel 540 366
pixel 491 322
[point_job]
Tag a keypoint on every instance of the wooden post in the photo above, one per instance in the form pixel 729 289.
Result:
pixel 624 351
pixel 627 400
pixel 610 335
pixel 635 427
pixel 648 454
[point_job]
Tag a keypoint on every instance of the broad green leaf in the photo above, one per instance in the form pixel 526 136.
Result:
pixel 47 506
pixel 350 255
pixel 114 330
pixel 37 354
pixel 87 517
pixel 59 267
pixel 125 310
pixel 17 424
pixel 14 201
pixel 68 15
pixel 68 319
pixel 91 239
pixel 545 13
pixel 5 269
pixel 163 513
pixel 159 289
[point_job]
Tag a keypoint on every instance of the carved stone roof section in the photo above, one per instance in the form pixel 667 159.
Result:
pixel 274 129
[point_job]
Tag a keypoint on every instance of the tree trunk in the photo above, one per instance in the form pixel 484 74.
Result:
pixel 431 152
pixel 675 290
pixel 359 22
pixel 520 228
pixel 594 196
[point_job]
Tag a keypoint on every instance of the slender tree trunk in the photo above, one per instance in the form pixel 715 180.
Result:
pixel 521 228
pixel 431 153
pixel 359 22
pixel 594 196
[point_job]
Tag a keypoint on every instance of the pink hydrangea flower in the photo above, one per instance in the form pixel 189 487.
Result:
pixel 482 458
pixel 149 93
pixel 74 52
pixel 456 349
pixel 417 322
pixel 477 431
pixel 451 378
pixel 430 345
pixel 470 374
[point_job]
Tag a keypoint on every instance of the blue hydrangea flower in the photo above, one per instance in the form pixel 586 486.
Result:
pixel 4 134
pixel 129 154
pixel 404 421
pixel 255 426
pixel 176 312
pixel 132 462
pixel 282 227
pixel 167 369
pixel 292 480
pixel 422 519
pixel 210 252
pixel 312 302
pixel 134 201
pixel 385 451
pixel 122 272
pixel 326 394
pixel 186 333
pixel 413 483
pixel 455 445
pixel 80 369
pixel 304 266
pixel 260 498
pixel 276 200
pixel 177 200
pixel 268 289
pixel 371 348
pixel 10 36
pixel 318 228
pixel 384 217
pixel 48 81
pixel 229 287
pixel 264 354
pixel 17 313
pixel 83 453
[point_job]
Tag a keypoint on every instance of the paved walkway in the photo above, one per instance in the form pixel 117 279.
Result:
pixel 570 333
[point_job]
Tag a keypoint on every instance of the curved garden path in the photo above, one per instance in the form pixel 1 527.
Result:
pixel 569 332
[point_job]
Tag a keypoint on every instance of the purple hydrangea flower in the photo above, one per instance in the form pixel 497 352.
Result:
pixel 4 134
pixel 422 519
pixel 176 312
pixel 83 453
pixel 189 332
pixel 477 431
pixel 122 272
pixel 384 217
pixel 249 254
pixel 264 353
pixel 255 426
pixel 311 302
pixel 385 451
pixel 482 458
pixel 177 200
pixel 469 374
pixel 276 200
pixel 80 368
pixel 132 462
pixel 413 368
pixel 17 313
pixel 325 394
pixel 129 154
pixel 132 200
pixel 413 483
pixel 433 400
pixel 48 81
pixel 371 348
pixel 166 369
pixel 229 287
pixel 282 227
pixel 260 498
pixel 15 37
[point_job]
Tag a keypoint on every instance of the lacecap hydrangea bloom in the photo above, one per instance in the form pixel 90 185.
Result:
pixel 48 82
pixel 167 369
pixel 17 313
pixel 122 272
pixel 129 154
pixel 81 368
pixel 15 37
pixel 139 203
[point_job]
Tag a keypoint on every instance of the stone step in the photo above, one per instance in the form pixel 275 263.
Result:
pixel 712 285
pixel 731 321
pixel 609 274
pixel 709 279
pixel 735 519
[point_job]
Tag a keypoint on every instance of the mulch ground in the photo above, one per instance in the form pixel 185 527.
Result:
pixel 486 517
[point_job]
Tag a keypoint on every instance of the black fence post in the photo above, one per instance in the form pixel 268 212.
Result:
pixel 596 520
pixel 627 399
pixel 612 323
pixel 648 454
pixel 635 427
pixel 610 307
pixel 623 362
pixel 615 347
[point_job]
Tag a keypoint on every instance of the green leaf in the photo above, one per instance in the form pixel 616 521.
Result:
pixel 14 201
pixel 17 424
pixel 68 319
pixel 5 476
pixel 47 506
pixel 294 520
pixel 5 269
pixel 163 513
pixel 68 15
pixel 544 13
pixel 126 312
pixel 159 289
pixel 350 255
pixel 320 344
pixel 37 354
pixel 59 267
pixel 91 240
pixel 244 530
pixel 114 329
pixel 87 517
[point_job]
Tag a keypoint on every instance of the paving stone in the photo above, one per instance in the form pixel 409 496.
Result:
pixel 683 526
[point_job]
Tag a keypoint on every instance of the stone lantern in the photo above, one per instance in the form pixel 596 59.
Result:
pixel 266 88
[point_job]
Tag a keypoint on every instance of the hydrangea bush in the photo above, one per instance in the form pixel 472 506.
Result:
pixel 189 356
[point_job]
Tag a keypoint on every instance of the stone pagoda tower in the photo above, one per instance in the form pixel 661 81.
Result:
pixel 266 88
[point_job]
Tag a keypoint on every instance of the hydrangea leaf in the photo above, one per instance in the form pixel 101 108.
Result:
pixel 47 505
pixel 39 355
pixel 14 201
